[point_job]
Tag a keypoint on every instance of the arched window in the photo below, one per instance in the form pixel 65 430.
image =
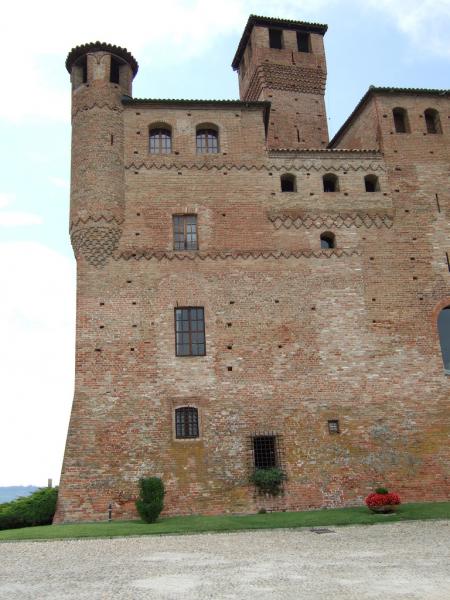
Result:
pixel 327 240
pixel 207 140
pixel 401 123
pixel 160 140
pixel 432 121
pixel 186 422
pixel 444 336
pixel 371 183
pixel 288 183
pixel 330 183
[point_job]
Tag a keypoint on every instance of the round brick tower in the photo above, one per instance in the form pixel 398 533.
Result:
pixel 101 74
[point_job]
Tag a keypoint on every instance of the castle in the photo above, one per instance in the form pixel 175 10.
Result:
pixel 252 295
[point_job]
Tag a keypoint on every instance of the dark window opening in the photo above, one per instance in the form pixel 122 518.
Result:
pixel 400 120
pixel 276 38
pixel 333 426
pixel 115 70
pixel 327 240
pixel 432 121
pixel 265 451
pixel 185 232
pixel 83 65
pixel 330 183
pixel 444 336
pixel 186 422
pixel 371 183
pixel 189 332
pixel 160 139
pixel 288 183
pixel 303 42
pixel 207 141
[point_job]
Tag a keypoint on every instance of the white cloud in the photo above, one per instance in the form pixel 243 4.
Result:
pixel 182 29
pixel 426 22
pixel 37 314
pixel 10 218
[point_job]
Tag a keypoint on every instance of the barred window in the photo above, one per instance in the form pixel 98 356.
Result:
pixel 186 422
pixel 207 141
pixel 160 141
pixel 190 331
pixel 185 232
pixel 265 451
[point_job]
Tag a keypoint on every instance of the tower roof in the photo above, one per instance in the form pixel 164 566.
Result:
pixel 123 53
pixel 272 22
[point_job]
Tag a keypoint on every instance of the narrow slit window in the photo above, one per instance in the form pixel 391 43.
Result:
pixel 160 140
pixel 207 141
pixel 114 73
pixel 276 38
pixel 189 331
pixel 185 232
pixel 432 121
pixel 444 337
pixel 333 426
pixel 265 451
pixel 186 423
pixel 303 42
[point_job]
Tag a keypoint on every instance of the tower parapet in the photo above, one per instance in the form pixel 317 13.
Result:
pixel 101 74
pixel 283 62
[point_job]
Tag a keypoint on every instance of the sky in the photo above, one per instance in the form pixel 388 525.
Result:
pixel 184 49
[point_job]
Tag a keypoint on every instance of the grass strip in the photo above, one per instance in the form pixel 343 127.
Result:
pixel 225 523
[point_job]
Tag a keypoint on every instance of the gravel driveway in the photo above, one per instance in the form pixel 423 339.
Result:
pixel 395 561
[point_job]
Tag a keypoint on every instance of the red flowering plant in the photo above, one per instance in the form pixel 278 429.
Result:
pixel 382 500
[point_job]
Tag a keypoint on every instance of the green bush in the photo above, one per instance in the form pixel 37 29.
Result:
pixel 36 509
pixel 268 480
pixel 381 490
pixel 151 498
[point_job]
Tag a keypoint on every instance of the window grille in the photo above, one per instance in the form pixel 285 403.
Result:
pixel 189 331
pixel 207 141
pixel 333 426
pixel 160 141
pixel 186 422
pixel 266 451
pixel 185 232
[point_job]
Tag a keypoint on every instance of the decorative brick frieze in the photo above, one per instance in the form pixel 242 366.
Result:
pixel 96 244
pixel 331 221
pixel 289 78
pixel 159 255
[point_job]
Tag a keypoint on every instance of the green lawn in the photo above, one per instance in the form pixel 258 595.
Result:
pixel 199 524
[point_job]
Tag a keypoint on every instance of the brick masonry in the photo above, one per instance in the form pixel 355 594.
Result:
pixel 311 334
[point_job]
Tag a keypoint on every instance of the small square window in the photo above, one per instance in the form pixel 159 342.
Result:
pixel 333 426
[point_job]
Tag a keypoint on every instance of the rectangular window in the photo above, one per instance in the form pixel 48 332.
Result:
pixel 190 331
pixel 333 426
pixel 265 451
pixel 276 38
pixel 303 42
pixel 114 73
pixel 185 232
pixel 186 422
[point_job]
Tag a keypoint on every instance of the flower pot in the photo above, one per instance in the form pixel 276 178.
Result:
pixel 384 509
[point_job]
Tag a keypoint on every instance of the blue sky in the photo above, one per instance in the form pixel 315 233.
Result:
pixel 184 49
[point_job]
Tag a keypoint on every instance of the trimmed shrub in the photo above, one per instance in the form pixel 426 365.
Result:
pixel 268 480
pixel 36 509
pixel 151 498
